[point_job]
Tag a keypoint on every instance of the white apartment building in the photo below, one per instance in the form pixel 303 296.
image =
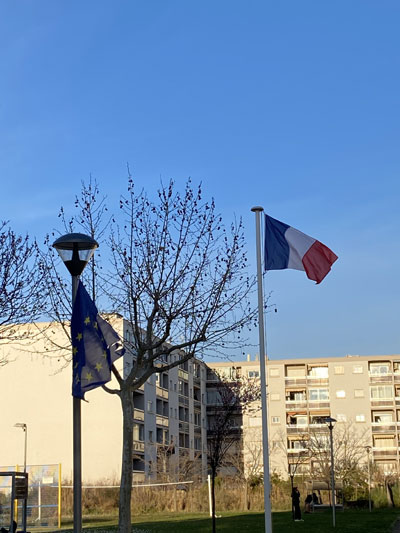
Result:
pixel 360 391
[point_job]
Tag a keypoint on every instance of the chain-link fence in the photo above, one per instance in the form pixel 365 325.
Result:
pixel 44 497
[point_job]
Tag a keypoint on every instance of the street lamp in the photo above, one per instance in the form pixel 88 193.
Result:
pixel 25 428
pixel 330 422
pixel 368 449
pixel 76 250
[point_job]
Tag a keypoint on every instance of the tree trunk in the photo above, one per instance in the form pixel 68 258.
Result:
pixel 213 474
pixel 124 524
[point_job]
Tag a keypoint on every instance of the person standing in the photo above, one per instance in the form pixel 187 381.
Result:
pixel 296 504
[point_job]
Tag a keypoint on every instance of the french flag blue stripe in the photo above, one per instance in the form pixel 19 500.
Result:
pixel 276 250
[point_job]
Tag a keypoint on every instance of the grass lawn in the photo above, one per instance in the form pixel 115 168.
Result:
pixel 380 520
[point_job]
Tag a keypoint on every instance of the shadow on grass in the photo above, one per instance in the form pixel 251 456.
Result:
pixel 380 521
pixel 349 521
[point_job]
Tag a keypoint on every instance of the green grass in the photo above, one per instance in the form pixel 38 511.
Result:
pixel 379 521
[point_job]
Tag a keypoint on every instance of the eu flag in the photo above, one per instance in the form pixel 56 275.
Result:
pixel 95 345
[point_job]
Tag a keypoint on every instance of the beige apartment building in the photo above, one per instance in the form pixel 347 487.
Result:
pixel 361 392
pixel 35 389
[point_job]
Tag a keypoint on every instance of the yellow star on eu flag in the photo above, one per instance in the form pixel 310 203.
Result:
pixel 87 320
pixel 79 337
pixel 89 376
pixel 74 350
pixel 99 366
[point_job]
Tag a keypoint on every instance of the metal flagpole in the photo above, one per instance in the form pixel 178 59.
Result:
pixel 264 416
pixel 77 441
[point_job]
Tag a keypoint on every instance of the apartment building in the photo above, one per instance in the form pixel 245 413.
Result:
pixel 169 414
pixel 362 392
pixel 170 425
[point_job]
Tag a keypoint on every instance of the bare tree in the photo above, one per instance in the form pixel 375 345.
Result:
pixel 249 463
pixel 232 398
pixel 21 286
pixel 179 277
pixel 348 448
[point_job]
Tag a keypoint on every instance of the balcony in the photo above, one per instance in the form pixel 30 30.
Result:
pixel 162 420
pixel 315 380
pixel 318 404
pixel 390 451
pixel 183 400
pixel 297 451
pixel 162 393
pixel 382 402
pixel 294 381
pixel 138 446
pixel 378 427
pixel 138 414
pixel 296 404
pixel 184 426
pixel 295 429
pixel 183 374
pixel 380 378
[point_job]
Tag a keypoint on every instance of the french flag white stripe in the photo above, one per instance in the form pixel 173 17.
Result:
pixel 299 244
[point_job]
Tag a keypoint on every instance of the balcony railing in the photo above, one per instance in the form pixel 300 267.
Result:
pixel 184 426
pixel 183 374
pixel 138 446
pixel 318 404
pixel 163 393
pixel 162 420
pixel 138 414
pixel 296 404
pixel 380 378
pixel 184 400
pixel 383 426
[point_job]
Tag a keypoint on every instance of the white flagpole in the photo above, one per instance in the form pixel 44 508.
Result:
pixel 264 415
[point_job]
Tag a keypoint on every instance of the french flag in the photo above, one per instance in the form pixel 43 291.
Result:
pixel 287 247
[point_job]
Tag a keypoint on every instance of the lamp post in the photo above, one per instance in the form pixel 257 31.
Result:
pixel 330 422
pixel 368 449
pixel 76 250
pixel 25 428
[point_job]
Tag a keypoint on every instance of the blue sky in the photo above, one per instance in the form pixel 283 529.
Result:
pixel 290 105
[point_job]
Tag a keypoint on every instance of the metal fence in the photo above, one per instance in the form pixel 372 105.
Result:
pixel 44 497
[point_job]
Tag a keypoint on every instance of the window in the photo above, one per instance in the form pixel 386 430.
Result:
pixel 359 393
pixel 253 373
pixel 273 372
pixel 339 369
pixel 360 418
pixel 275 419
pixel 357 369
pixel 150 436
pixel 317 395
pixel 384 442
pixel 381 391
pixel 379 368
pixel 340 394
pixel 382 417
pixel 275 396
pixel 318 372
pixel 341 418
pixel 149 406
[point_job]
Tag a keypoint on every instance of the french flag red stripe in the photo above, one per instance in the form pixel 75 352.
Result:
pixel 317 261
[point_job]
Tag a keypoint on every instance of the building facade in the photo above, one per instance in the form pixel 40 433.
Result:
pixel 169 414
pixel 361 392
